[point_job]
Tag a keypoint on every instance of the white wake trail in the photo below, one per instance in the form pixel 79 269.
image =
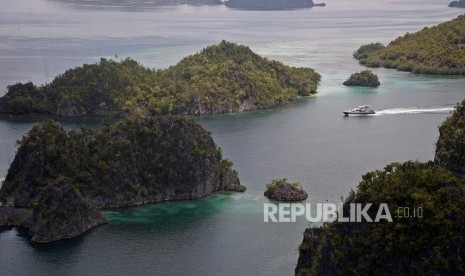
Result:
pixel 415 110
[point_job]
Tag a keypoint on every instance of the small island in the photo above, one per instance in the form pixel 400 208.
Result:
pixel 221 78
pixel 281 190
pixel 60 180
pixel 364 78
pixel 457 4
pixel 434 50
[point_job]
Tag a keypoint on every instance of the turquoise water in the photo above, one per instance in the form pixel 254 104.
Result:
pixel 308 141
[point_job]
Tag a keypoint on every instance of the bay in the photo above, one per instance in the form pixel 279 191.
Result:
pixel 308 141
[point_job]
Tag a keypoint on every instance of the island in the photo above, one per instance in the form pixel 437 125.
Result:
pixel 422 241
pixel 457 4
pixel 435 50
pixel 221 78
pixel 269 4
pixel 282 190
pixel 64 178
pixel 364 78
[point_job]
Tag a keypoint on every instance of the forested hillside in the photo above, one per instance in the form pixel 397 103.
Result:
pixel 222 78
pixel 436 50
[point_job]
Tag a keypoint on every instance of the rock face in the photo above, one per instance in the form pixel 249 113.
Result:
pixel 364 78
pixel 60 213
pixel 230 182
pixel 12 217
pixel 283 191
pixel 307 248
pixel 457 4
pixel 450 149
pixel 269 4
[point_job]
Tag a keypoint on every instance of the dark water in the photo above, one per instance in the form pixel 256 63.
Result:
pixel 308 141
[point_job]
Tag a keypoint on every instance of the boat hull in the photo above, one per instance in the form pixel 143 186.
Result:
pixel 347 113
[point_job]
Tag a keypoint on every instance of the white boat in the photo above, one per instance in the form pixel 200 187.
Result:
pixel 359 110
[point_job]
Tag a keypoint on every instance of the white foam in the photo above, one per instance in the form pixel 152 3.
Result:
pixel 415 110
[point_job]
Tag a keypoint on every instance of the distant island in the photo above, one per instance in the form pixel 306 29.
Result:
pixel 144 3
pixel 62 179
pixel 364 78
pixel 235 4
pixel 436 50
pixel 269 4
pixel 221 78
pixel 457 4
pixel 430 244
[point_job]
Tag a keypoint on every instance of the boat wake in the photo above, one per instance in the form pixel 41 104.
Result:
pixel 415 110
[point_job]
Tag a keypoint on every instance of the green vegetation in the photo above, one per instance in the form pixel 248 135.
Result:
pixel 24 99
pixel 222 78
pixel 436 50
pixel 430 245
pixel 450 147
pixel 364 78
pixel 367 50
pixel 137 160
pixel 275 182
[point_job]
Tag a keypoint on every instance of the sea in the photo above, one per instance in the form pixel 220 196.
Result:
pixel 308 141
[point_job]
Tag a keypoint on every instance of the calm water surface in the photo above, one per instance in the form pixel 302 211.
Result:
pixel 308 141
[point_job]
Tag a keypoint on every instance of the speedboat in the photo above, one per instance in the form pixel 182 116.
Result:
pixel 359 110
